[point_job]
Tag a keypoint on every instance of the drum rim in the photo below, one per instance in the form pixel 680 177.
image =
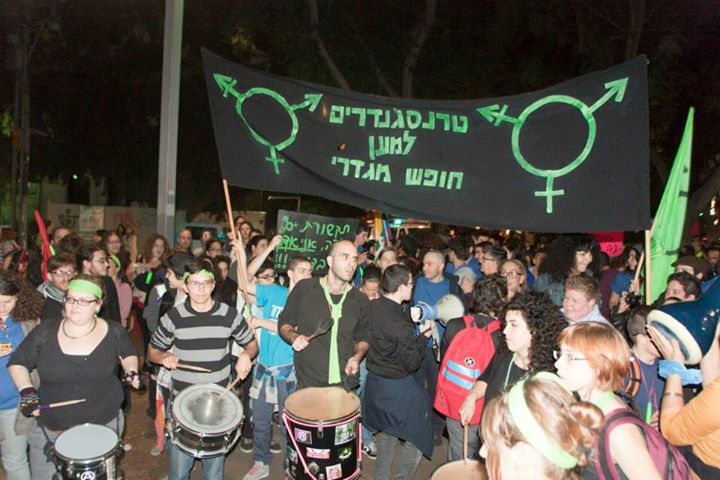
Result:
pixel 101 458
pixel 213 387
pixel 454 462
pixel 324 421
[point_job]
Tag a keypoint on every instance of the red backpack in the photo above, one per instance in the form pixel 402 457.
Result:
pixel 669 461
pixel 466 359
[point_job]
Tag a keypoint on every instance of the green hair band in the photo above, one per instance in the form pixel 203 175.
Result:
pixel 203 271
pixel 531 429
pixel 115 259
pixel 85 286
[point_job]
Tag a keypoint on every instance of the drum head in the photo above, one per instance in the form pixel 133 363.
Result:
pixel 460 470
pixel 86 442
pixel 319 404
pixel 198 408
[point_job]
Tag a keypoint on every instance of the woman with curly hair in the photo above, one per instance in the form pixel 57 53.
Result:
pixel 538 427
pixel 531 327
pixel 567 256
pixel 20 308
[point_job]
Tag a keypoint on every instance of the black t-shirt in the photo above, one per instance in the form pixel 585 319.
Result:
pixel 306 306
pixel 70 377
pixel 502 373
pixel 110 309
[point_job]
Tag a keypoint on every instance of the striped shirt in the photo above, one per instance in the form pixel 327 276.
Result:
pixel 201 339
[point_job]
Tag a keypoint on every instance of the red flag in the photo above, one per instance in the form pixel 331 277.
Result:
pixel 46 252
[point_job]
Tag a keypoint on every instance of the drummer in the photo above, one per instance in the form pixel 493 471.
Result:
pixel 394 402
pixel 198 332
pixel 324 361
pixel 76 359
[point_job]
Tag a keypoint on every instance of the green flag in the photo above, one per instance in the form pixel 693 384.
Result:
pixel 670 217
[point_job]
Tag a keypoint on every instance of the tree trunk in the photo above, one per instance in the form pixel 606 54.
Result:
pixel 637 18
pixel 315 30
pixel 418 41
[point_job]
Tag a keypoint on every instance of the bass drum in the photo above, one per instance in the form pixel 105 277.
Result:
pixel 324 434
pixel 201 424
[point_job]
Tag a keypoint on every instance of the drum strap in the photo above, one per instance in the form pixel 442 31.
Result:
pixel 335 313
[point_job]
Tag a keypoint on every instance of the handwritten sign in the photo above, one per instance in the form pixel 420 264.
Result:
pixel 310 236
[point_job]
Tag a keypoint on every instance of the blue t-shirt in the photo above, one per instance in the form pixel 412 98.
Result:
pixel 621 282
pixel 429 292
pixel 472 264
pixel 9 396
pixel 274 351
pixel 651 389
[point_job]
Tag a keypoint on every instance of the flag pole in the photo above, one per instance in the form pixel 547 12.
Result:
pixel 648 290
pixel 242 278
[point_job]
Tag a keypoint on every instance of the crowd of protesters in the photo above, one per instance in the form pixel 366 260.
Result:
pixel 571 385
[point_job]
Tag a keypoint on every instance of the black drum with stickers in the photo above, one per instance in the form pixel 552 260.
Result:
pixel 324 434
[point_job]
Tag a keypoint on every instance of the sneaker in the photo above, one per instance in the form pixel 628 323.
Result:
pixel 258 471
pixel 155 451
pixel 246 445
pixel 370 450
pixel 275 447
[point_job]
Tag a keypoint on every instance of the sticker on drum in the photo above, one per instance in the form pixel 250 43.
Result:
pixel 86 442
pixel 460 470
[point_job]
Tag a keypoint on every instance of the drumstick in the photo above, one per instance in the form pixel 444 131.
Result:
pixel 122 364
pixel 193 367
pixel 228 388
pixel 465 434
pixel 62 404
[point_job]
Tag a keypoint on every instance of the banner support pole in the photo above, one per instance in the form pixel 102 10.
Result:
pixel 242 278
pixel 648 234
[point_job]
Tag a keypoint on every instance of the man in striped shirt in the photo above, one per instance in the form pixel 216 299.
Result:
pixel 198 332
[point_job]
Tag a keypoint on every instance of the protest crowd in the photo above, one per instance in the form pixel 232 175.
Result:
pixel 544 367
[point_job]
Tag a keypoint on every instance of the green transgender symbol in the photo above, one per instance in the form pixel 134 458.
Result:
pixel 227 85
pixel 496 115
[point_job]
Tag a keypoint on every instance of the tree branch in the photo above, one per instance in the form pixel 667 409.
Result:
pixel 315 31
pixel 604 17
pixel 418 41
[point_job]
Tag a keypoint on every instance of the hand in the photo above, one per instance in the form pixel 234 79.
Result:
pixel 669 349
pixel 300 343
pixel 29 402
pixel 467 409
pixel 362 259
pixel 170 361
pixel 352 367
pixel 132 378
pixel 243 365
pixel 623 305
pixel 252 322
pixel 429 328
pixel 276 240
pixel 5 349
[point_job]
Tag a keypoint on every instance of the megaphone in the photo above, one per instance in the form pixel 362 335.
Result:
pixel 448 307
pixel 692 324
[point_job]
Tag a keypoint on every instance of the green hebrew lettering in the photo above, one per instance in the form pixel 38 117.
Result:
pixel 336 114
pixel 383 170
pixel 458 177
pixel 410 141
pixel 360 112
pixel 430 177
pixel 429 124
pixel 445 117
pixel 459 123
pixel 413 176
pixel 358 164
pixel 399 119
pixel 414 118
pixel 375 113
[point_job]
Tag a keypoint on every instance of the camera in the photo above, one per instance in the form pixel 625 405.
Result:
pixel 633 300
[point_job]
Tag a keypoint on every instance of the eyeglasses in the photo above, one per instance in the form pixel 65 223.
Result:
pixel 267 276
pixel 570 356
pixel 511 274
pixel 83 302
pixel 64 273
pixel 196 284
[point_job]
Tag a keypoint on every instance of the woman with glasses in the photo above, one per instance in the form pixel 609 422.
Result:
pixel 593 361
pixel 20 308
pixel 75 358
pixel 531 326
pixel 515 274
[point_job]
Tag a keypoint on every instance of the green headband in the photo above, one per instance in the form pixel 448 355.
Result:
pixel 531 430
pixel 115 259
pixel 85 286
pixel 203 271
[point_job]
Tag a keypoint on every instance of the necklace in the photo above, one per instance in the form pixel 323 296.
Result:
pixel 79 336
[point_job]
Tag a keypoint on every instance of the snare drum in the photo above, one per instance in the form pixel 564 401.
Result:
pixel 460 470
pixel 324 434
pixel 202 425
pixel 87 452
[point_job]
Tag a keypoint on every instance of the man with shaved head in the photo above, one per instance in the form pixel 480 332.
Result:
pixel 329 357
pixel 431 287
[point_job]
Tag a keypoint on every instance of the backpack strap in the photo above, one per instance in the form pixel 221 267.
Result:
pixel 605 464
pixel 493 326
pixel 469 320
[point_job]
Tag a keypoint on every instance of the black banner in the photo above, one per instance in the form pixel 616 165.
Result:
pixel 310 236
pixel 570 158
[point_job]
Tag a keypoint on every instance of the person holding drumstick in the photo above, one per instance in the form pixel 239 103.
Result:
pixel 198 332
pixel 20 308
pixel 76 359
